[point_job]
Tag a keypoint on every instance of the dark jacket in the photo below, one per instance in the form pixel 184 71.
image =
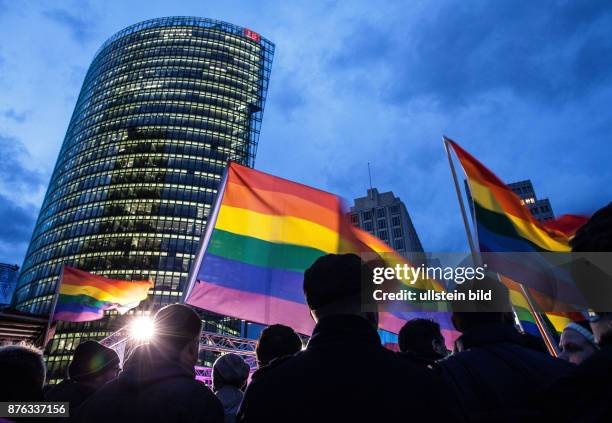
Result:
pixel 344 375
pixel 152 388
pixel 495 377
pixel 71 391
pixel 584 395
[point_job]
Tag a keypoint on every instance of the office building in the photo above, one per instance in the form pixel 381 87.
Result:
pixel 385 216
pixel 163 107
pixel 540 208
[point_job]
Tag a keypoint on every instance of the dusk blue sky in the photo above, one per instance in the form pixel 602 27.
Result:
pixel 524 86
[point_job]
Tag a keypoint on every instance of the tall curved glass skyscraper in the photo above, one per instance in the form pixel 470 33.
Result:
pixel 164 105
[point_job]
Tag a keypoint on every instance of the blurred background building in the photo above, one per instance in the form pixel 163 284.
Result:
pixel 8 282
pixel 540 208
pixel 163 107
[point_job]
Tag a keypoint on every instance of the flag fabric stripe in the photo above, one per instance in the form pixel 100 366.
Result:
pixel 267 182
pixel 280 204
pixel 262 253
pixel 81 316
pixel 514 227
pixel 83 297
pixel 77 277
pixel 279 283
pixel 279 229
pixel 252 306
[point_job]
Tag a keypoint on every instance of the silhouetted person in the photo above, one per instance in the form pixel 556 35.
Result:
pixel 577 342
pixel 344 374
pixel 423 340
pixel 586 394
pixel 494 375
pixel 158 380
pixel 276 341
pixel 22 373
pixel 92 366
pixel 229 377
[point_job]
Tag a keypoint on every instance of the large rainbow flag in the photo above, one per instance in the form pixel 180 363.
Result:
pixel 504 225
pixel 263 233
pixel 83 297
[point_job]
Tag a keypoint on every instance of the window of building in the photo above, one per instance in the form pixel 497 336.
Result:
pixel 380 213
pixel 394 209
pixel 398 244
pixel 397 232
pixel 383 235
pixel 381 223
pixel 355 219
pixel 367 215
pixel 395 221
pixel 367 226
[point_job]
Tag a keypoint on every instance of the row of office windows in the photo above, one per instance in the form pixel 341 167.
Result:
pixel 112 209
pixel 204 41
pixel 177 254
pixel 115 224
pixel 96 96
pixel 181 142
pixel 135 169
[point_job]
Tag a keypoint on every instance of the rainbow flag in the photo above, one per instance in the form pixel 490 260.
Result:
pixel 263 234
pixel 503 224
pixel 83 297
pixel 556 321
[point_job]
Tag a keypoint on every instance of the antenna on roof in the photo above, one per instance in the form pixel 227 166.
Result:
pixel 370 175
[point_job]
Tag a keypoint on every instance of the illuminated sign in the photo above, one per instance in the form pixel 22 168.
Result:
pixel 252 35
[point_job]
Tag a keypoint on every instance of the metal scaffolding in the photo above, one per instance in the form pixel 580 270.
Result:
pixel 209 341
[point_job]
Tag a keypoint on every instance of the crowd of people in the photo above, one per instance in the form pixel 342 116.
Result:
pixel 343 373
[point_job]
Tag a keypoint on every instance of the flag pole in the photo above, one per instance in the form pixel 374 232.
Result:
pixel 210 224
pixel 53 305
pixel 553 349
pixel 473 249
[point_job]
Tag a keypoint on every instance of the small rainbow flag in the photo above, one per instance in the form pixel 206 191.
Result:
pixel 263 234
pixel 84 297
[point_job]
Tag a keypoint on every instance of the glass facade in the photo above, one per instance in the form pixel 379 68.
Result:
pixel 164 105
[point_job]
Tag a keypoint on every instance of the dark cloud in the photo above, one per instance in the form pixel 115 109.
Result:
pixel 17 220
pixel 80 28
pixel 12 171
pixel 549 51
pixel 15 116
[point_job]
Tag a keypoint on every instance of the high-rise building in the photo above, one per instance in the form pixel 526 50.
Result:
pixel 540 208
pixel 8 281
pixel 385 216
pixel 163 107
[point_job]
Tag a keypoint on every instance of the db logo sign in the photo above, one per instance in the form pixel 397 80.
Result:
pixel 252 35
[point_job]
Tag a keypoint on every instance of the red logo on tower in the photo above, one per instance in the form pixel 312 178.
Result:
pixel 252 35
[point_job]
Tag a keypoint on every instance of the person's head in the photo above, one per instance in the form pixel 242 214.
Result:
pixel 230 370
pixel 421 336
pixel 93 364
pixel 177 333
pixel 23 373
pixel 577 342
pixel 596 236
pixel 276 341
pixel 332 285
pixel 468 315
